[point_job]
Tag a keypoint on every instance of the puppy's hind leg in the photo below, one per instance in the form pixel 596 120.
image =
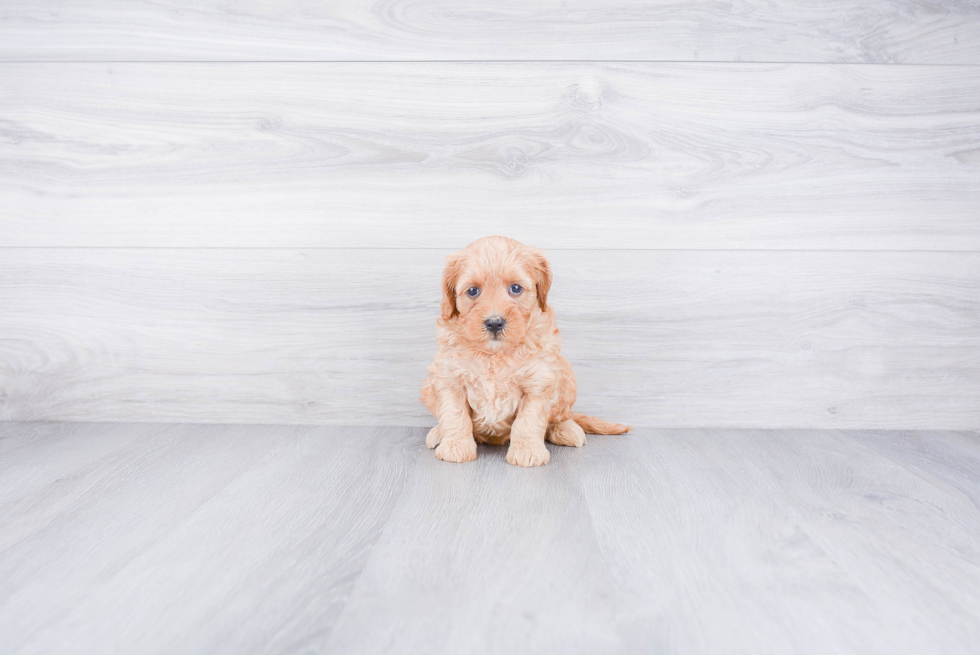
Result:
pixel 566 433
pixel 433 438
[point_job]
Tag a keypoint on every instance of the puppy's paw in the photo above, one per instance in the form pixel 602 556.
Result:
pixel 567 433
pixel 528 454
pixel 457 450
pixel 433 438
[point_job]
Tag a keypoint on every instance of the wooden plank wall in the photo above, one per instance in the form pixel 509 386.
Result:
pixel 760 214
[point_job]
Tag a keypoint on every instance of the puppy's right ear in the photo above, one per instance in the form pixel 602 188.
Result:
pixel 450 275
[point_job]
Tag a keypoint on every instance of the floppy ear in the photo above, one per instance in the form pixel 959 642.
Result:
pixel 450 275
pixel 541 272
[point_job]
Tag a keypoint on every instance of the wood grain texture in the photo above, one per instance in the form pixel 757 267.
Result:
pixel 784 542
pixel 435 155
pixel 249 539
pixel 686 338
pixel 180 538
pixel 947 459
pixel 484 559
pixel 877 31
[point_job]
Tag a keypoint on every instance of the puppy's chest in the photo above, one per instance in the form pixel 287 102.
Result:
pixel 493 397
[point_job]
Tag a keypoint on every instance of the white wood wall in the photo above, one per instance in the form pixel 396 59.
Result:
pixel 760 214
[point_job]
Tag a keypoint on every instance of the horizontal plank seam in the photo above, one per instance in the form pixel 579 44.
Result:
pixel 476 61
pixel 636 426
pixel 421 248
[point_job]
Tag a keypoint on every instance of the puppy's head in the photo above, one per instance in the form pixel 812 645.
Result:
pixel 492 290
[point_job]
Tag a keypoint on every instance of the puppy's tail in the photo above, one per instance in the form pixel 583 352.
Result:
pixel 594 425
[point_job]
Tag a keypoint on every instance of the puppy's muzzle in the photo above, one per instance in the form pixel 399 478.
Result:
pixel 494 325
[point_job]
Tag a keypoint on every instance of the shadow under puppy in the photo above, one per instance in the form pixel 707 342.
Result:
pixel 499 374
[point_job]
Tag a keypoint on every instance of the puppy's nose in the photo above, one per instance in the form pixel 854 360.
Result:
pixel 495 323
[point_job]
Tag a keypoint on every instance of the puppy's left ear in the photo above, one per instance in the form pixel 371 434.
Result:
pixel 541 273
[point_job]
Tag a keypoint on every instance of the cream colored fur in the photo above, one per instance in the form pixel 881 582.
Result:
pixel 516 387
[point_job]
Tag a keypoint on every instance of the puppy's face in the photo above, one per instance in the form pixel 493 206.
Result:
pixel 491 290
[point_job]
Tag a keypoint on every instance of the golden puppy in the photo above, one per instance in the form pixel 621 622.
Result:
pixel 499 373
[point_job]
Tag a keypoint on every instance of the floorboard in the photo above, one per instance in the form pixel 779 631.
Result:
pixel 187 534
pixel 435 155
pixel 946 459
pixel 657 338
pixel 487 558
pixel 868 31
pixel 240 539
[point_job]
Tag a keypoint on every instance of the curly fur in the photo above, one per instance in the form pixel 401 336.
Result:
pixel 514 386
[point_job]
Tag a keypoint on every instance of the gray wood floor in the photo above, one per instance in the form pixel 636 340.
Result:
pixel 180 538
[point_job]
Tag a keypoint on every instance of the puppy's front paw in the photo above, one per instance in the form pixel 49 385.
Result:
pixel 457 450
pixel 528 454
pixel 433 438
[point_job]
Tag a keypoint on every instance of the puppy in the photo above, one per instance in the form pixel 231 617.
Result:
pixel 499 374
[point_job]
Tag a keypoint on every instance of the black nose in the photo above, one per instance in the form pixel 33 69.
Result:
pixel 495 323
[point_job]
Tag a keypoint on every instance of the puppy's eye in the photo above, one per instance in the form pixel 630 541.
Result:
pixel 516 289
pixel 472 292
